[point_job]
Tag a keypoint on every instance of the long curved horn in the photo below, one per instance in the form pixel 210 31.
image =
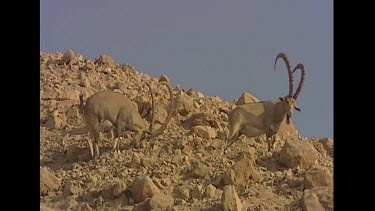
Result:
pixel 169 117
pixel 299 88
pixel 152 108
pixel 290 74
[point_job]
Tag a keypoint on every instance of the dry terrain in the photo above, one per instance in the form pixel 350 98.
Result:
pixel 182 169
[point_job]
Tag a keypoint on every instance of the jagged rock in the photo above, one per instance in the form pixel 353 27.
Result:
pixel 54 122
pixel 317 177
pixel 135 162
pixel 310 202
pixel 182 192
pixel 298 152
pixel 68 57
pixel 210 191
pixel 204 131
pixel 327 143
pixel 48 181
pixel 119 188
pixel 72 153
pixel 161 201
pixel 191 92
pixel 240 172
pixel 246 98
pixel 165 78
pixel 230 200
pixel 184 104
pixel 85 207
pixel 143 188
pixel 89 66
pixel 71 189
pixel 200 170
pixel 197 192
pixel 325 196
pixel 106 61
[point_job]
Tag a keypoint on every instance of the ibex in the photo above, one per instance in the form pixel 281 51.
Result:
pixel 255 119
pixel 117 109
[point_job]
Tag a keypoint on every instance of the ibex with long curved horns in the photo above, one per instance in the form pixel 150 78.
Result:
pixel 118 110
pixel 255 119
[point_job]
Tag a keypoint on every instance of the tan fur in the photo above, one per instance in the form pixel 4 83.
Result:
pixel 118 110
pixel 255 119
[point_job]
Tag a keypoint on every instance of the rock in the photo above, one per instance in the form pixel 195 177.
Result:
pixel 197 192
pixel 184 104
pixel 160 114
pixel 68 57
pixel 317 177
pixel 106 61
pixel 327 143
pixel 71 189
pixel 89 66
pixel 165 78
pixel 182 192
pixel 200 170
pixel 298 152
pixel 144 206
pixel 325 196
pixel 160 201
pixel 240 172
pixel 72 153
pixel 210 191
pixel 85 207
pixel 98 202
pixel 49 93
pixel 107 191
pixel 85 83
pixel 147 162
pixel 310 202
pixel 119 188
pixel 143 188
pixel 54 122
pixel 246 98
pixel 191 92
pixel 206 132
pixel 135 162
pixel 48 182
pixel 230 200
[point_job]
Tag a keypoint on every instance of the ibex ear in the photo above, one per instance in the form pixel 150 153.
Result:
pixel 281 98
pixel 298 109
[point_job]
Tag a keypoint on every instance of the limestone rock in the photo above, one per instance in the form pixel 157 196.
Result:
pixel 298 152
pixel 143 188
pixel 48 181
pixel 317 177
pixel 206 132
pixel 165 78
pixel 68 57
pixel 230 200
pixel 106 61
pixel 54 122
pixel 310 202
pixel 240 172
pixel 72 153
pixel 246 98
pixel 210 191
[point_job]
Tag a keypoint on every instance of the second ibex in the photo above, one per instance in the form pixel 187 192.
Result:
pixel 255 119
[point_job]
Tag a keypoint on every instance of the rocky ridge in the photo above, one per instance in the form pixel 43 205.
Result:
pixel 182 169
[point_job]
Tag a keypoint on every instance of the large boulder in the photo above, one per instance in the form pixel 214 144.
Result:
pixel 298 152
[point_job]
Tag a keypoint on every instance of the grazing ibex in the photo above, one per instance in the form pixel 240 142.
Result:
pixel 255 119
pixel 117 109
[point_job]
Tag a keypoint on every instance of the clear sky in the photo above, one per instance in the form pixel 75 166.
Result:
pixel 219 47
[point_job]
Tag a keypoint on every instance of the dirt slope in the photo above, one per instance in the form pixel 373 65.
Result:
pixel 182 169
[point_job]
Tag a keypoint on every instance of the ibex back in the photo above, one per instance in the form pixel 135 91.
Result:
pixel 255 119
pixel 117 109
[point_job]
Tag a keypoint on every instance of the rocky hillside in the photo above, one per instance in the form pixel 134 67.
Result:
pixel 182 169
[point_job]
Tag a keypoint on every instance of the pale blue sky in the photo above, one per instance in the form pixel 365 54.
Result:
pixel 221 48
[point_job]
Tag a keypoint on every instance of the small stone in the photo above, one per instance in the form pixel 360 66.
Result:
pixel 210 191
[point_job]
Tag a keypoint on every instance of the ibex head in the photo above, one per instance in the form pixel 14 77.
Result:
pixel 289 101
